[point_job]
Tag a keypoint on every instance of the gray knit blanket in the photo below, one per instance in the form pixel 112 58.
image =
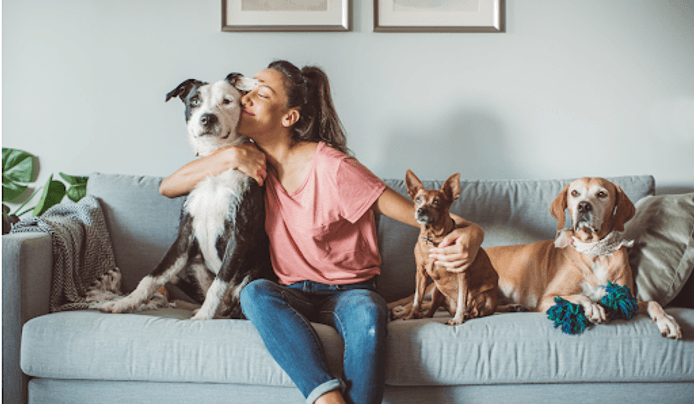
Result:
pixel 84 268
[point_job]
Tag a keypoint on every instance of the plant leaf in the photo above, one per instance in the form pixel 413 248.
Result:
pixel 53 193
pixel 17 165
pixel 11 190
pixel 77 192
pixel 73 180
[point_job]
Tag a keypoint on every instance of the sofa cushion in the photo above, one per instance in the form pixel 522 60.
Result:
pixel 510 212
pixel 142 223
pixel 162 347
pixel 663 252
pixel 509 348
pixel 514 348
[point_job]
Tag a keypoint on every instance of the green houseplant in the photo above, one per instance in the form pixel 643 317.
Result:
pixel 18 171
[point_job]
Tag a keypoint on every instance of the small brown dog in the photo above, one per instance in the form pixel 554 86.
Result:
pixel 466 295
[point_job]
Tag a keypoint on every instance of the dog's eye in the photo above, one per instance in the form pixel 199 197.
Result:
pixel 436 202
pixel 227 102
pixel 602 194
pixel 195 101
pixel 575 193
pixel 418 200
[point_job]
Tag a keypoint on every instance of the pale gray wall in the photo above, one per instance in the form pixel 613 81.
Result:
pixel 572 88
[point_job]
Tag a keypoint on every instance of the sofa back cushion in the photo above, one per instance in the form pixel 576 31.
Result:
pixel 510 212
pixel 142 223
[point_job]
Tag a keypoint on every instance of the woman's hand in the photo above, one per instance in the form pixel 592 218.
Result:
pixel 459 248
pixel 246 158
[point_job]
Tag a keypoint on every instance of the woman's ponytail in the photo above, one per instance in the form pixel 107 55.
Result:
pixel 308 90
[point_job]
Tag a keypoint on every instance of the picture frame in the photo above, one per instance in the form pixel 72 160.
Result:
pixel 286 15
pixel 439 15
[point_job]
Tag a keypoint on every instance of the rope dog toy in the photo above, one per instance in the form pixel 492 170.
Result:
pixel 619 303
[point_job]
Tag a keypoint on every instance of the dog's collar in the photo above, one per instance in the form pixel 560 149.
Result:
pixel 430 240
pixel 606 246
pixel 436 240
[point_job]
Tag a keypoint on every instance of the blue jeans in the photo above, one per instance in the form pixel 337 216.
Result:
pixel 282 315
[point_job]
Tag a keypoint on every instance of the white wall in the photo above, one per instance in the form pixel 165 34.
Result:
pixel 572 88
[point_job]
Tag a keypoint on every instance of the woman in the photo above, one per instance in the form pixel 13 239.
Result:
pixel 319 204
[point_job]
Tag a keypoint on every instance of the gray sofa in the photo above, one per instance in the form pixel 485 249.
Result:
pixel 160 356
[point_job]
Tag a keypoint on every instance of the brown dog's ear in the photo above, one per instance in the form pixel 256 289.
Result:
pixel 451 188
pixel 559 206
pixel 624 211
pixel 413 183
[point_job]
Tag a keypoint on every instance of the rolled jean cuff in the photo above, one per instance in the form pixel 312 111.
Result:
pixel 330 385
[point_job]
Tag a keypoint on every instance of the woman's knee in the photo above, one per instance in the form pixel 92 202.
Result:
pixel 368 316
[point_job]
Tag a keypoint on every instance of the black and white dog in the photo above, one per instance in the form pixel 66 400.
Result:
pixel 222 244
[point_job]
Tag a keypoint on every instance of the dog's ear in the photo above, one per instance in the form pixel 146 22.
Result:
pixel 184 88
pixel 452 187
pixel 241 82
pixel 413 183
pixel 624 210
pixel 559 206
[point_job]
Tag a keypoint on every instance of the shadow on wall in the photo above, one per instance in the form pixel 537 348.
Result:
pixel 472 143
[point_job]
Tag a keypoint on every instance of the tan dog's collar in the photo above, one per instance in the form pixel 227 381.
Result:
pixel 435 240
pixel 606 246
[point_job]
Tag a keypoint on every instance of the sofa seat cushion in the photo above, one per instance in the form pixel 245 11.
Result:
pixel 509 348
pixel 512 348
pixel 166 347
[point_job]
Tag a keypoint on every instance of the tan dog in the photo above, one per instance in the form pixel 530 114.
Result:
pixel 469 294
pixel 580 261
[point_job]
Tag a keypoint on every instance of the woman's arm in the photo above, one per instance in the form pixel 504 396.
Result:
pixel 396 207
pixel 458 249
pixel 246 158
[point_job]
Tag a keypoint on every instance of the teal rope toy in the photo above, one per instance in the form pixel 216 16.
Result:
pixel 619 302
pixel 570 317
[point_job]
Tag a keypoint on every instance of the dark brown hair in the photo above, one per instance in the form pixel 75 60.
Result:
pixel 308 90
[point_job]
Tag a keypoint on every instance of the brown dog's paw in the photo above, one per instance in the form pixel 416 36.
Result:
pixel 413 316
pixel 453 321
pixel 398 312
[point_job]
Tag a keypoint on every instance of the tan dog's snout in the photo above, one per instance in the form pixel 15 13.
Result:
pixel 584 218
pixel 426 215
pixel 430 206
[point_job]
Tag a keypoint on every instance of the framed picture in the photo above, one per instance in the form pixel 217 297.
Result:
pixel 286 15
pixel 439 15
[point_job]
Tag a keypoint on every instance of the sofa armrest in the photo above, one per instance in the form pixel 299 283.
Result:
pixel 27 263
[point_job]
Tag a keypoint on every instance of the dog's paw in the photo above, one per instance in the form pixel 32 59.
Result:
pixel 454 321
pixel 107 307
pixel 668 327
pixel 157 301
pixel 399 312
pixel 120 306
pixel 413 315
pixel 202 314
pixel 595 313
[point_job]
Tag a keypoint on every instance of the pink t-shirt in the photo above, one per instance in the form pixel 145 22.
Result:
pixel 324 231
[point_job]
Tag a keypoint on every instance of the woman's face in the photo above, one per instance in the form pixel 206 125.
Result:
pixel 265 107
